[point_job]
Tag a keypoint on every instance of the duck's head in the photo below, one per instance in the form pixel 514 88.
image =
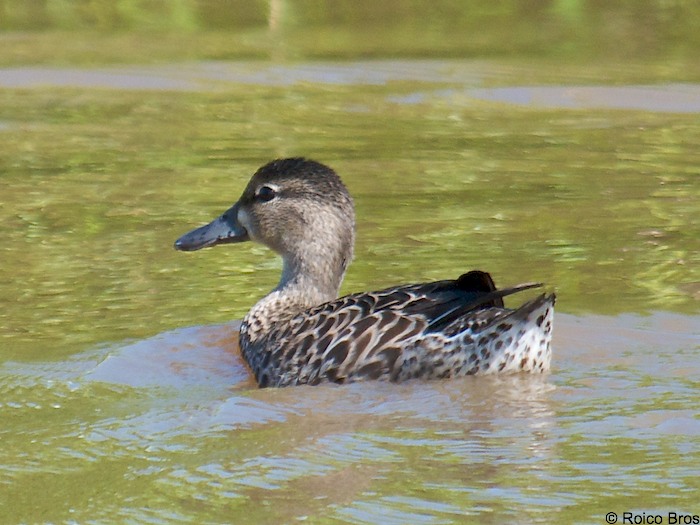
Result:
pixel 297 207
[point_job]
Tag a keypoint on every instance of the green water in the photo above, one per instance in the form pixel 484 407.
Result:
pixel 121 128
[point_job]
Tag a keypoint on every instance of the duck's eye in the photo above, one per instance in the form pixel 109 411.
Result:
pixel 266 193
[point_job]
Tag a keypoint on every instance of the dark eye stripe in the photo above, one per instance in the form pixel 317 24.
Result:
pixel 265 193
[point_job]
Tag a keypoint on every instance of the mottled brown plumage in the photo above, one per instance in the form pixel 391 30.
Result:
pixel 301 333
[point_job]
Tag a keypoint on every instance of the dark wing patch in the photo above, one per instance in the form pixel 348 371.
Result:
pixel 481 302
pixel 339 351
pixel 478 282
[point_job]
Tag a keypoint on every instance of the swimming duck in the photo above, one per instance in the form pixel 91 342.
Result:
pixel 302 333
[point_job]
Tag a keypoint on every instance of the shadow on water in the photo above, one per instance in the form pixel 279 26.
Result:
pixel 182 358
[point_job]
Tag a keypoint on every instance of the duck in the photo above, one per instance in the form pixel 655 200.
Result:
pixel 302 333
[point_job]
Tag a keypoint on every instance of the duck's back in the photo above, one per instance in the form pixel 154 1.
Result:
pixel 434 330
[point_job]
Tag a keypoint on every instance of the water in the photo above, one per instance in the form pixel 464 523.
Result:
pixel 122 395
pixel 169 429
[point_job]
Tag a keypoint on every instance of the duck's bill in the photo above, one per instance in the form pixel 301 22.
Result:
pixel 225 229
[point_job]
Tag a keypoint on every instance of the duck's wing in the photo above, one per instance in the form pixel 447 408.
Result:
pixel 363 334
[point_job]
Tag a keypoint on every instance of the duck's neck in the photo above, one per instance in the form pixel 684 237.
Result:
pixel 311 282
pixel 307 280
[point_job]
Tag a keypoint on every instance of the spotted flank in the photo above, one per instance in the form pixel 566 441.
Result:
pixel 301 333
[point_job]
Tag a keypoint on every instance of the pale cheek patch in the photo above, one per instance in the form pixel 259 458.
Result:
pixel 244 221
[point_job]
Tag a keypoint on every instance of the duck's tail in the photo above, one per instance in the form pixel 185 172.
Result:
pixel 519 341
